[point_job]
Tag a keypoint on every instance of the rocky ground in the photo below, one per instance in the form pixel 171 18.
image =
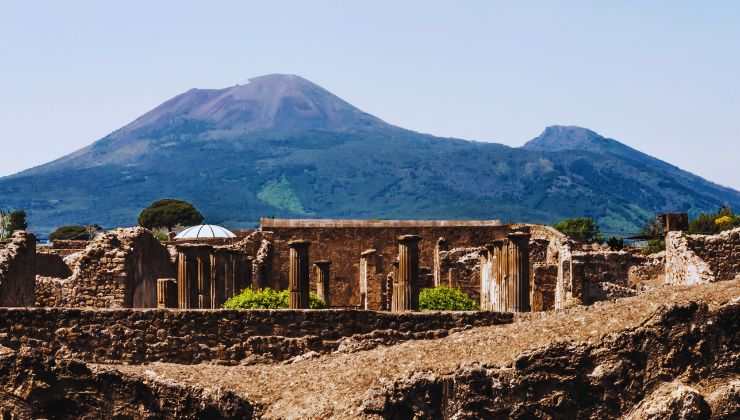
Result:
pixel 673 352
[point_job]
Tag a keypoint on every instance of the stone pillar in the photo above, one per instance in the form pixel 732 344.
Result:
pixel 366 266
pixel 204 277
pixel 519 264
pixel 183 281
pixel 499 276
pixel 441 246
pixel 405 291
pixel 167 293
pixel 298 276
pixel 486 277
pixel 321 270
pixel 505 274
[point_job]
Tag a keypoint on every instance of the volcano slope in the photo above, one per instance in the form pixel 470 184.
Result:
pixel 673 352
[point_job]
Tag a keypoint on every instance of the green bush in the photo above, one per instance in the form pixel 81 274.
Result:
pixel 268 299
pixel 711 223
pixel 582 229
pixel 70 232
pixel 615 244
pixel 654 246
pixel 443 298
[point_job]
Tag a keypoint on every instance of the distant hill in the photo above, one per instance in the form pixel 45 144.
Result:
pixel 283 146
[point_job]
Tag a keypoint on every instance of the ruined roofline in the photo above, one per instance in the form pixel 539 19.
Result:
pixel 267 223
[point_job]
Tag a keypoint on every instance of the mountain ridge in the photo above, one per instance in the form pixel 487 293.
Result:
pixel 281 145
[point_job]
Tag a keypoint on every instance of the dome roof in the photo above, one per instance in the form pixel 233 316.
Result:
pixel 205 232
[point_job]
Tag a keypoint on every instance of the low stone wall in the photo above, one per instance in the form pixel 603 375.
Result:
pixel 18 270
pixel 694 259
pixel 225 336
pixel 585 277
pixel 650 273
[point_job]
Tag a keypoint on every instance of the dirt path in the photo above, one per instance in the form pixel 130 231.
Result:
pixel 334 385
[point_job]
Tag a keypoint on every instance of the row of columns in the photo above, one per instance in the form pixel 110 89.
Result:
pixel 206 278
pixel 505 274
pixel 298 276
pixel 504 277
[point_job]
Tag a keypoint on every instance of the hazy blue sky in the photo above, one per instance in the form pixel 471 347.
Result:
pixel 663 78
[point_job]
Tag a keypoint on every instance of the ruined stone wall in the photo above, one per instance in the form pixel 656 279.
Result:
pixel 460 268
pixel 588 276
pixel 118 269
pixel 543 281
pixel 693 259
pixel 650 273
pixel 51 264
pixel 229 336
pixel 65 247
pixel 342 242
pixel 18 270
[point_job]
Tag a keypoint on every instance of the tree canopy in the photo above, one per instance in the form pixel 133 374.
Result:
pixel 12 221
pixel 169 213
pixel 70 232
pixel 582 229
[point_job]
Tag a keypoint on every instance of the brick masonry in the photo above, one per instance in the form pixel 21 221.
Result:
pixel 694 259
pixel 225 336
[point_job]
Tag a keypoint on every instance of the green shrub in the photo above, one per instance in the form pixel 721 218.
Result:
pixel 70 232
pixel 615 244
pixel 443 298
pixel 582 229
pixel 268 299
pixel 711 223
pixel 654 246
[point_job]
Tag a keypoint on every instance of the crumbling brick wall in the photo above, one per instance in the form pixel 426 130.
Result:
pixel 650 273
pixel 588 276
pixel 18 270
pixel 228 336
pixel 51 264
pixel 693 259
pixel 118 269
pixel 543 281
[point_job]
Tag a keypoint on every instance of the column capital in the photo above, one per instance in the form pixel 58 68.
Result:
pixel 299 243
pixel 519 236
pixel 368 252
pixel 322 263
pixel 409 238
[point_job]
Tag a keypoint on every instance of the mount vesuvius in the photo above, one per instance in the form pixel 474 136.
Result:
pixel 283 146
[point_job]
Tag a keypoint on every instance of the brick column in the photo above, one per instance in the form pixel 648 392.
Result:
pixel 183 281
pixel 204 277
pixel 298 283
pixel 486 277
pixel 167 293
pixel 366 267
pixel 405 290
pixel 321 270
pixel 441 246
pixel 519 266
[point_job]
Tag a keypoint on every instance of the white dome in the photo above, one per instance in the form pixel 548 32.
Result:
pixel 205 232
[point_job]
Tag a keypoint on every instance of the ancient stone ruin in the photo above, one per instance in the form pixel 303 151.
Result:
pixel 126 326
